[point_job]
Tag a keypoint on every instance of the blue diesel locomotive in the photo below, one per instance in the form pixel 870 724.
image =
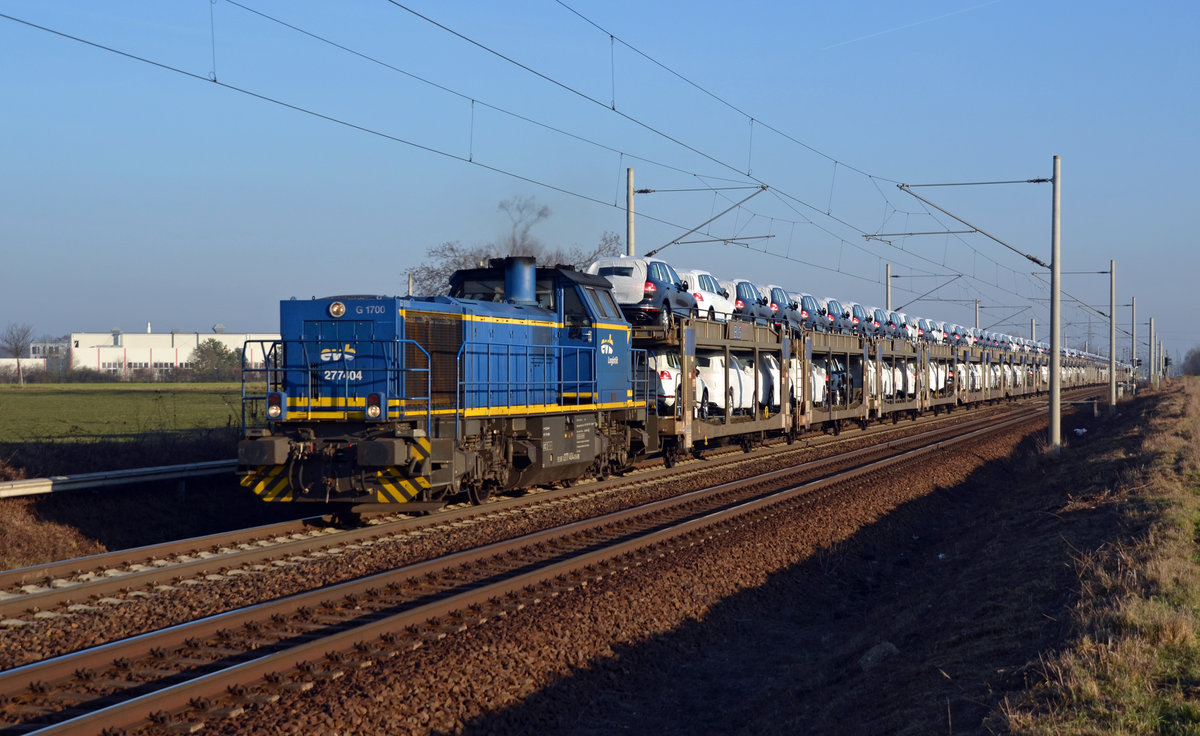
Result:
pixel 522 376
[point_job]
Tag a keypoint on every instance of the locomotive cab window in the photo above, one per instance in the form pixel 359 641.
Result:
pixel 545 294
pixel 575 314
pixel 603 303
pixel 483 290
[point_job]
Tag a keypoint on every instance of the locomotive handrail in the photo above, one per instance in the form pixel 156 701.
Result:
pixel 276 368
pixel 550 387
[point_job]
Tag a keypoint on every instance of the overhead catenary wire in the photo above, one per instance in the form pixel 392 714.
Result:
pixel 320 115
pixel 797 204
pixel 529 120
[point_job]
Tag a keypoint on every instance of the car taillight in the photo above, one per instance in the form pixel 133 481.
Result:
pixel 855 319
pixel 830 316
pixel 774 307
pixel 876 323
pixel 374 408
pixel 804 313
pixel 665 375
pixel 649 288
pixel 274 405
pixel 699 297
pixel 739 304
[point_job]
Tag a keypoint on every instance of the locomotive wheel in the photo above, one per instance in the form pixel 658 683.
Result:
pixel 479 493
pixel 670 452
pixel 346 518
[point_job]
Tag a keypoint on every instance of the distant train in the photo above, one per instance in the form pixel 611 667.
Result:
pixel 526 376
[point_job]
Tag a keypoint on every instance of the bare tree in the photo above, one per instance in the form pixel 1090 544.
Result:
pixel 15 340
pixel 433 275
pixel 1191 362
pixel 610 245
pixel 441 261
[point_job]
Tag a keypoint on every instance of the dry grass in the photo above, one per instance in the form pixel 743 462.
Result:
pixel 26 538
pixel 1133 666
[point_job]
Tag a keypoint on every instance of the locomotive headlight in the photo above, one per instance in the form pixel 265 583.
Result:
pixel 274 406
pixel 374 406
pixel 337 309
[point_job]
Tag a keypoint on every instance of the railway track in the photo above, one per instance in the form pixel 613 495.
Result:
pixel 78 585
pixel 218 666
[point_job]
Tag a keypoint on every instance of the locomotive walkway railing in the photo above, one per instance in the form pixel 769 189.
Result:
pixel 382 369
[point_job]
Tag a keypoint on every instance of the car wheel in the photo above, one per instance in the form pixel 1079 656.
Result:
pixel 712 313
pixel 704 405
pixel 665 318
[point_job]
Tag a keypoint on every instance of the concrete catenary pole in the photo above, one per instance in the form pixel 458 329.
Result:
pixel 1112 337
pixel 1150 365
pixel 977 314
pixel 1033 329
pixel 1133 342
pixel 629 250
pixel 1055 315
pixel 887 288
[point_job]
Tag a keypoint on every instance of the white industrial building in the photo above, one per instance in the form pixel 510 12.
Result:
pixel 123 353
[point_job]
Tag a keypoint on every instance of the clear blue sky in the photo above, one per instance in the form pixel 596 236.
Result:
pixel 134 193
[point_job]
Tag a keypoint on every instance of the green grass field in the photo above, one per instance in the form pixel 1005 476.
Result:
pixel 87 412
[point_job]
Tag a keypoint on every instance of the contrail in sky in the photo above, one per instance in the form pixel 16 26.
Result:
pixel 910 25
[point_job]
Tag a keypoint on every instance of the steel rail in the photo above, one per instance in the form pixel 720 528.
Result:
pixel 132 712
pixel 114 572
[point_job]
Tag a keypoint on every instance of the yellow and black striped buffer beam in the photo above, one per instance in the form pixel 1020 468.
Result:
pixel 395 486
pixel 269 483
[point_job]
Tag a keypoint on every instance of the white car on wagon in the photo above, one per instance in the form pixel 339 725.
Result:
pixel 712 299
